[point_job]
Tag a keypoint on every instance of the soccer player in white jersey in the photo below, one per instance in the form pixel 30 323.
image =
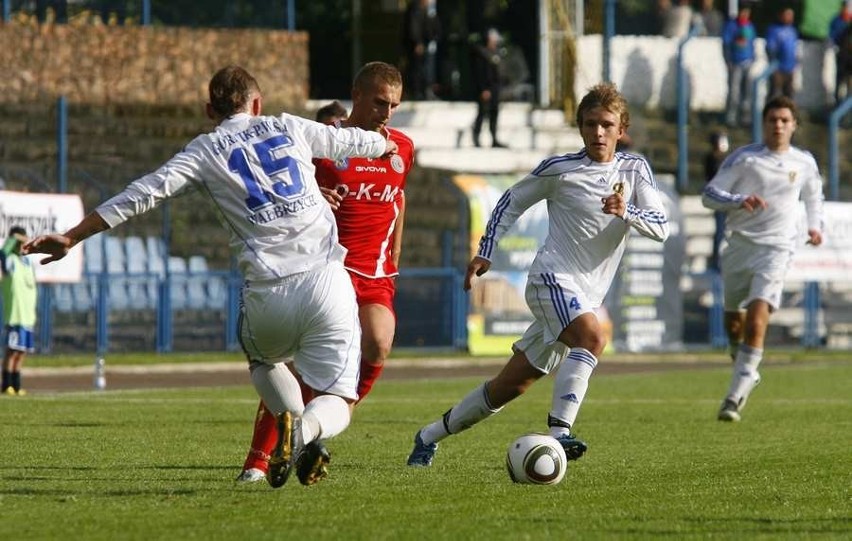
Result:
pixel 297 299
pixel 594 198
pixel 759 187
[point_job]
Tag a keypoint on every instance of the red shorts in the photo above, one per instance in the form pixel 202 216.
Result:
pixel 373 290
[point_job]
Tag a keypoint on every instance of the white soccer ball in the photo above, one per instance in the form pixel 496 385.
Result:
pixel 536 459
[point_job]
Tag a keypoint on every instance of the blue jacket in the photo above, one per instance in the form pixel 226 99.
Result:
pixel 781 44
pixel 738 42
pixel 838 25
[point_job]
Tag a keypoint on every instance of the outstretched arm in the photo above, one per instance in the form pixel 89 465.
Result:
pixel 58 245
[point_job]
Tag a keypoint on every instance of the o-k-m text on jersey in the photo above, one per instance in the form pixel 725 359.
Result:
pixel 373 195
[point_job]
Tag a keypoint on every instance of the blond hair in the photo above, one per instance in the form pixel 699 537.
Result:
pixel 605 95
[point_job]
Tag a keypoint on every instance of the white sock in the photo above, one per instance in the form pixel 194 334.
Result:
pixel 572 381
pixel 745 376
pixel 277 386
pixel 325 416
pixel 473 408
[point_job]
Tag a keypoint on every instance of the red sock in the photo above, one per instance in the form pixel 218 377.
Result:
pixel 369 374
pixel 262 440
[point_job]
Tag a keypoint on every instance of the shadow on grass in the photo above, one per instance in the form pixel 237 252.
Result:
pixel 744 526
pixel 66 493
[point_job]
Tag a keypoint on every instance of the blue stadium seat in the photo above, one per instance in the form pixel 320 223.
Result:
pixel 155 266
pixel 116 263
pixel 178 275
pixel 93 253
pixel 217 291
pixel 155 246
pixel 137 269
pixel 116 259
pixel 63 299
pixel 118 298
pixel 196 294
pixel 137 255
pixel 84 293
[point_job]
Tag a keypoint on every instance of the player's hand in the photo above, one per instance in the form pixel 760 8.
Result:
pixel 478 266
pixel 333 197
pixel 390 148
pixel 814 237
pixel 56 246
pixel 614 204
pixel 753 202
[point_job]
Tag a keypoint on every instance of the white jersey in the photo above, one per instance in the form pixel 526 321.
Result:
pixel 258 173
pixel 781 179
pixel 582 241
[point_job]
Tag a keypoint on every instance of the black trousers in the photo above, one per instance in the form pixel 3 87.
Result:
pixel 490 108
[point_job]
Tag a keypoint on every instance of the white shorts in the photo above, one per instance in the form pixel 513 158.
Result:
pixel 311 316
pixel 753 271
pixel 555 301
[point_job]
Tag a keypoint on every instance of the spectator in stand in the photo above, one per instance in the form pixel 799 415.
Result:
pixel 840 38
pixel 420 33
pixel 782 43
pixel 486 77
pixel 738 50
pixel 708 20
pixel 676 19
pixel 58 7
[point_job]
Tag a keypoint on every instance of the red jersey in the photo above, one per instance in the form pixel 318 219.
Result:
pixel 372 192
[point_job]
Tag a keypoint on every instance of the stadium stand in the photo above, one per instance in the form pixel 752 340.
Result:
pixel 135 267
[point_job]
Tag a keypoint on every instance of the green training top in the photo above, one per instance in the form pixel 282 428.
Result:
pixel 19 288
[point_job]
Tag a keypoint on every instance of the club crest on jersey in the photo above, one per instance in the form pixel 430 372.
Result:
pixel 342 165
pixel 397 164
pixel 792 176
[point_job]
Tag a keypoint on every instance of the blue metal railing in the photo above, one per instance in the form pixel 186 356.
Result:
pixel 609 32
pixel 451 302
pixel 683 114
pixel 811 302
pixel 756 120
pixel 62 144
pixel 833 147
pixel 718 335
pixel 446 317
pixel 146 12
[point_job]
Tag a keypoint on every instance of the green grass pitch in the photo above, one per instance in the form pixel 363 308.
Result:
pixel 160 465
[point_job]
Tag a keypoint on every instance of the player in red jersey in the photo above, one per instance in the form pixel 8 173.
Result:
pixel 369 204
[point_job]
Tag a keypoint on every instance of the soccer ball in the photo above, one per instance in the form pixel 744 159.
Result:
pixel 536 459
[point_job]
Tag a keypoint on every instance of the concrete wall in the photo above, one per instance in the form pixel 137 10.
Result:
pixel 103 65
pixel 644 68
